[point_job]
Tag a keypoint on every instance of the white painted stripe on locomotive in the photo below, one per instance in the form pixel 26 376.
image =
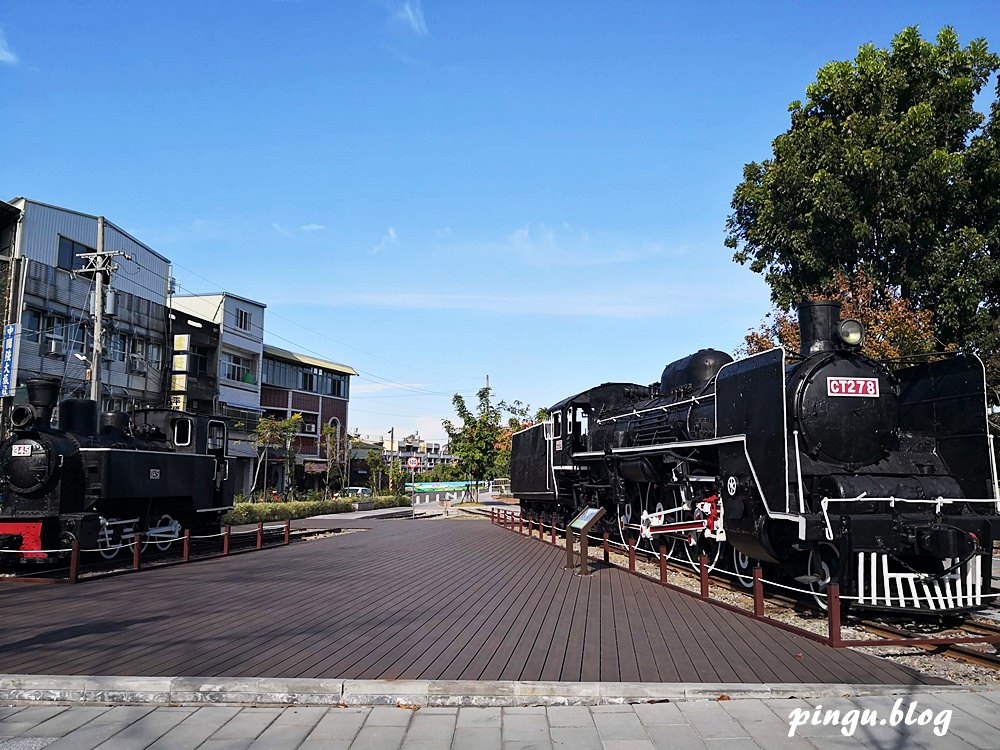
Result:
pixel 663 408
pixel 796 518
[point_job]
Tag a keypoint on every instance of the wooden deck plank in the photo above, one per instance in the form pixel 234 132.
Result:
pixel 418 599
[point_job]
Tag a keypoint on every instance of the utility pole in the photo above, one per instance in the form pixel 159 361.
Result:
pixel 101 266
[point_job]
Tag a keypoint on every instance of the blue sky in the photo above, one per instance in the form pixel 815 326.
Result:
pixel 434 192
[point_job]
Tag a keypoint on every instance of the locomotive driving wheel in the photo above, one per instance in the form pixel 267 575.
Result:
pixel 164 532
pixel 743 566
pixel 822 568
pixel 107 544
pixel 697 543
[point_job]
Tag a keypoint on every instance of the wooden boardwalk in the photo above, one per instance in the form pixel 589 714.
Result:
pixel 433 599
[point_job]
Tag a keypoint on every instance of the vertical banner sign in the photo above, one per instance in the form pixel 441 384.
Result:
pixel 179 368
pixel 8 366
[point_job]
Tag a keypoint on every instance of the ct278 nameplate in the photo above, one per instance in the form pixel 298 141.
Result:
pixel 860 387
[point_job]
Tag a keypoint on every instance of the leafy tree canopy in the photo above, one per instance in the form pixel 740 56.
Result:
pixel 889 170
pixel 481 442
pixel 893 328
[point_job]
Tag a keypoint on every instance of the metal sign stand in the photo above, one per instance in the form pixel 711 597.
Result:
pixel 582 522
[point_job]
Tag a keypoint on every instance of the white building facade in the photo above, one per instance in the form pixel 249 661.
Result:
pixel 240 354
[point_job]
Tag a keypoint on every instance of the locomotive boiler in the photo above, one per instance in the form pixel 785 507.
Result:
pixel 100 479
pixel 821 465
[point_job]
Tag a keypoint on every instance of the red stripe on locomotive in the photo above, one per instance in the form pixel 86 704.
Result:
pixel 31 536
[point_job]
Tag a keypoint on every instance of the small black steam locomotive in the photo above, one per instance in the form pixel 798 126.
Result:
pixel 827 465
pixel 99 480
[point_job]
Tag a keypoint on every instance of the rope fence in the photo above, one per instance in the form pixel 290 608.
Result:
pixel 138 544
pixel 831 594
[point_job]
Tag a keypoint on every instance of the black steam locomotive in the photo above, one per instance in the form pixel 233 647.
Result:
pixel 102 479
pixel 827 465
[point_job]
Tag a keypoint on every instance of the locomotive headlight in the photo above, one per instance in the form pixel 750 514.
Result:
pixel 851 332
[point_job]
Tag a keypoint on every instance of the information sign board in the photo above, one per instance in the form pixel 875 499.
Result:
pixel 8 365
pixel 583 518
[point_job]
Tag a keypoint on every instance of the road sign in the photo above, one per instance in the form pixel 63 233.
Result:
pixel 413 462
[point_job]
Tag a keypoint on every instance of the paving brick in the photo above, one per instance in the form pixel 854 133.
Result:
pixel 629 745
pixel 124 715
pixel 752 710
pixel 576 738
pixel 612 708
pixel 144 732
pixel 302 715
pixel 246 725
pixel 525 727
pixel 479 717
pixel 659 713
pixel 620 726
pixel 477 738
pixel 86 737
pixel 226 744
pixel 63 723
pixel 311 743
pixel 527 745
pixel 215 716
pixel 379 738
pixel 281 736
pixel 436 727
pixel 28 718
pixel 184 737
pixel 570 716
pixel 516 710
pixel 388 716
pixel 675 737
pixel 339 724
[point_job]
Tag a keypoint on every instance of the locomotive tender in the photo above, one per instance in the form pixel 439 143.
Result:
pixel 101 480
pixel 824 466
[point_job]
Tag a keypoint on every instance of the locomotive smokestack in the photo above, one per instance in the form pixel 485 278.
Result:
pixel 818 326
pixel 42 395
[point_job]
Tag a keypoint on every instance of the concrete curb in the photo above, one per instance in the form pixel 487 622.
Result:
pixel 309 692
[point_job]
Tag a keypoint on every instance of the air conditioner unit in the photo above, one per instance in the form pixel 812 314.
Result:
pixel 310 428
pixel 54 348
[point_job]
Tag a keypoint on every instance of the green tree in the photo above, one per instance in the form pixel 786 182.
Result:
pixel 337 445
pixel 887 170
pixel 276 433
pixel 481 443
pixel 376 468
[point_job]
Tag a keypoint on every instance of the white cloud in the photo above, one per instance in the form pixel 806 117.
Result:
pixel 6 53
pixel 410 14
pixel 312 228
pixel 281 230
pixel 571 247
pixel 389 239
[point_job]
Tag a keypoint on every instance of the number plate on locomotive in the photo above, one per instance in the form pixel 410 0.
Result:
pixel 20 450
pixel 862 387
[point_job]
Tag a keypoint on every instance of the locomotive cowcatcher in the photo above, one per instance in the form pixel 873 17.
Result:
pixel 100 479
pixel 822 465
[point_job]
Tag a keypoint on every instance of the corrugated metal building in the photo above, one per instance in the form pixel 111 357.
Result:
pixel 54 306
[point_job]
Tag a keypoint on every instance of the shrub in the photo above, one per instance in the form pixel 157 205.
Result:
pixel 243 513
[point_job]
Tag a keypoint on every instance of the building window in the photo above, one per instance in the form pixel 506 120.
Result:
pixel 244 319
pixel 154 355
pixel 54 327
pixel 198 360
pixel 68 254
pixel 30 325
pixel 119 346
pixel 237 368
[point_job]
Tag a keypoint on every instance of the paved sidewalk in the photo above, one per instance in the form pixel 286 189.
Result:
pixel 740 724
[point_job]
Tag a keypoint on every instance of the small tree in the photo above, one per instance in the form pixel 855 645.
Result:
pixel 397 477
pixel 482 442
pixel 338 452
pixel 376 468
pixel 273 433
